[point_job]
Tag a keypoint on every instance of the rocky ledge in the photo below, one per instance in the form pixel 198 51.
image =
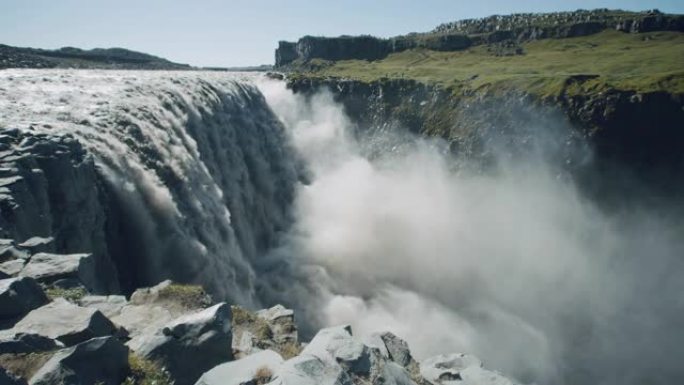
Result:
pixel 175 334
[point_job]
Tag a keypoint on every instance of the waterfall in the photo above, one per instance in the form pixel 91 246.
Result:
pixel 194 174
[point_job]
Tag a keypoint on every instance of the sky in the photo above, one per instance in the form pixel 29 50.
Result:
pixel 241 33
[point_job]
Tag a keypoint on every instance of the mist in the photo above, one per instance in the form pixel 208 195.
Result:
pixel 512 264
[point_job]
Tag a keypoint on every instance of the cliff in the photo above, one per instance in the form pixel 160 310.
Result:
pixel 459 35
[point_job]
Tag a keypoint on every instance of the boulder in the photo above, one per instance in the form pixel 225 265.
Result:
pixel 192 344
pixel 63 321
pixel 102 360
pixel 258 368
pixel 109 305
pixel 142 321
pixel 38 245
pixel 459 369
pixel 12 267
pixel 272 328
pixel 397 349
pixel 9 379
pixel 48 268
pixel 10 252
pixel 18 296
pixel 337 348
pixel 282 323
pixel 310 370
pixel 27 343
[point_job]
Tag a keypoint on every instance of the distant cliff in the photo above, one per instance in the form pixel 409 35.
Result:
pixel 463 34
pixel 69 57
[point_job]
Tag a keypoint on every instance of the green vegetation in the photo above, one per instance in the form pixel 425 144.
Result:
pixel 258 326
pixel 188 296
pixel 146 372
pixel 73 294
pixel 641 62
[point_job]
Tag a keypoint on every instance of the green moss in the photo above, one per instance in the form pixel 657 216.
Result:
pixel 641 62
pixel 188 296
pixel 146 372
pixel 72 295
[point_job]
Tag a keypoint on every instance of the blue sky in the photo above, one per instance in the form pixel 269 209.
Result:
pixel 235 33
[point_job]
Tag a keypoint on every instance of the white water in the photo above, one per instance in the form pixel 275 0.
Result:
pixel 513 264
pixel 196 162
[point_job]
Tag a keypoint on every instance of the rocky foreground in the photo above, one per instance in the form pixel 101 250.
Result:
pixel 55 332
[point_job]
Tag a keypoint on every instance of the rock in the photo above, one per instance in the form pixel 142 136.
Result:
pixel 272 328
pixel 191 345
pixel 63 321
pixel 397 349
pixel 38 245
pixel 310 370
pixel 10 252
pixel 459 369
pixel 281 322
pixel 259 366
pixel 141 321
pixel 9 379
pixel 109 305
pixel 102 360
pixel 18 296
pixel 12 267
pixel 336 348
pixel 49 268
pixel 27 343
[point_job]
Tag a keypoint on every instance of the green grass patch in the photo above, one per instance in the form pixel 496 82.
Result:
pixel 641 62
pixel 188 296
pixel 146 372
pixel 73 294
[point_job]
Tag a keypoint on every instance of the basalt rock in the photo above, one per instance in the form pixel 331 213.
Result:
pixel 18 296
pixel 102 360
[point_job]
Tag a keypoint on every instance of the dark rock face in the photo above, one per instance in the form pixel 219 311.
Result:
pixel 285 53
pixel 51 188
pixel 193 344
pixel 101 360
pixel 18 296
pixel 27 343
pixel 637 133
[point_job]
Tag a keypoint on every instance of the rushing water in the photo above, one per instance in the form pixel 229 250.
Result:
pixel 261 195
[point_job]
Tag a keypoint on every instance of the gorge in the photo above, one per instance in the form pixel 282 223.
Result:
pixel 534 221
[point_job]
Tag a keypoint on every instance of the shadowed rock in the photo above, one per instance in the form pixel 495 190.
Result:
pixel 102 360
pixel 63 321
pixel 18 296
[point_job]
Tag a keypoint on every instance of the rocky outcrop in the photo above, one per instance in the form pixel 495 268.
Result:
pixel 335 357
pixel 50 268
pixel 191 345
pixel 65 322
pixel 102 360
pixel 255 369
pixel 50 200
pixel 272 328
pixel 18 296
